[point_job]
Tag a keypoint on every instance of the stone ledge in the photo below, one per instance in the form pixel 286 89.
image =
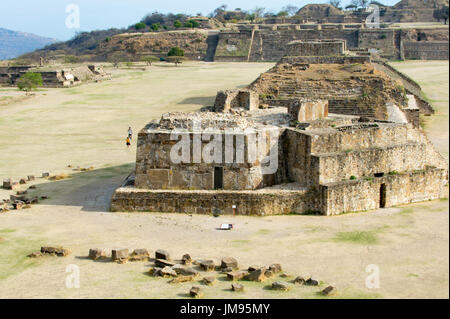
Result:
pixel 259 203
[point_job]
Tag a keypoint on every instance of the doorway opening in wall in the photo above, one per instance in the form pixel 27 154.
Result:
pixel 218 177
pixel 383 195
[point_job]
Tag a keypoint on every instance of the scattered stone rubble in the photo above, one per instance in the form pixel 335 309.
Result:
pixel 53 251
pixel 181 273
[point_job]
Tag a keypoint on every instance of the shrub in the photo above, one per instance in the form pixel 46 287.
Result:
pixel 175 59
pixel 155 26
pixel 71 59
pixel 149 59
pixel 140 26
pixel 177 24
pixel 353 177
pixel 175 51
pixel 29 81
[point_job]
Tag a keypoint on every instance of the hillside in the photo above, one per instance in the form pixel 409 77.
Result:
pixel 14 43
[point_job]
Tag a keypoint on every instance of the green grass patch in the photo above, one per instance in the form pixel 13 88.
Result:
pixel 14 256
pixel 408 210
pixel 240 242
pixel 357 237
pixel 7 230
pixel 74 102
pixel 263 231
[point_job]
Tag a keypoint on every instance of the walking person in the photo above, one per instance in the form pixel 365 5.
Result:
pixel 130 133
pixel 128 142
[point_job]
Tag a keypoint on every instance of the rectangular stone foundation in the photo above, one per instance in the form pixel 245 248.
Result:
pixel 330 199
pixel 257 203
pixel 400 188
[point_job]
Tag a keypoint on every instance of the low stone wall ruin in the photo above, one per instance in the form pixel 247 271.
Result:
pixel 420 50
pixel 315 48
pixel 232 99
pixel 257 203
pixel 402 188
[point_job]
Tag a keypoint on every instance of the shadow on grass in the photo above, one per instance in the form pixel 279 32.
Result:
pixel 92 190
pixel 199 100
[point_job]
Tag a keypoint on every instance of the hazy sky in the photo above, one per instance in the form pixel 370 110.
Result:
pixel 48 17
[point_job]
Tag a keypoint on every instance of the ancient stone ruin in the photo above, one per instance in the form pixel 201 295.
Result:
pixel 329 133
pixel 54 78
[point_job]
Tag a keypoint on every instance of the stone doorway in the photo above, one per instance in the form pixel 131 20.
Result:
pixel 218 177
pixel 383 195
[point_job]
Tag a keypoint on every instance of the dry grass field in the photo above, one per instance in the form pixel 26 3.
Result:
pixel 86 126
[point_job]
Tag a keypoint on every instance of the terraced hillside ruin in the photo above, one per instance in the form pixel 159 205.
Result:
pixel 336 136
pixel 352 85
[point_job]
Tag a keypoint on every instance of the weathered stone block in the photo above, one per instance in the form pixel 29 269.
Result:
pixel 120 254
pixel 97 253
pixel 163 263
pixel 162 254
pixel 196 292
pixel 229 262
pixel 207 265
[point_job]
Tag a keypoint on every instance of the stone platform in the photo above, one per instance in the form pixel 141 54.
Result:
pixel 258 203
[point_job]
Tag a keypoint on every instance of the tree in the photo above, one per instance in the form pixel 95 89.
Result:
pixel 441 14
pixel 292 10
pixel 177 24
pixel 282 14
pixel 220 10
pixel 191 24
pixel 258 12
pixel 155 26
pixel 336 3
pixel 29 81
pixel 140 26
pixel 251 17
pixel 175 59
pixel 175 51
pixel 149 59
pixel 116 57
pixel 363 3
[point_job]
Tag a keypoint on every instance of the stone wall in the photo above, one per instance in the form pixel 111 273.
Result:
pixel 364 194
pixel 305 111
pixel 382 40
pixel 156 169
pixel 365 163
pixel 268 42
pixel 231 99
pixel 325 59
pixel 315 48
pixel 298 145
pixel 419 50
pixel 255 203
pixel 233 46
pixel 356 138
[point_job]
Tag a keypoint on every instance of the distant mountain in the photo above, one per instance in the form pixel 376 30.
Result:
pixel 14 43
